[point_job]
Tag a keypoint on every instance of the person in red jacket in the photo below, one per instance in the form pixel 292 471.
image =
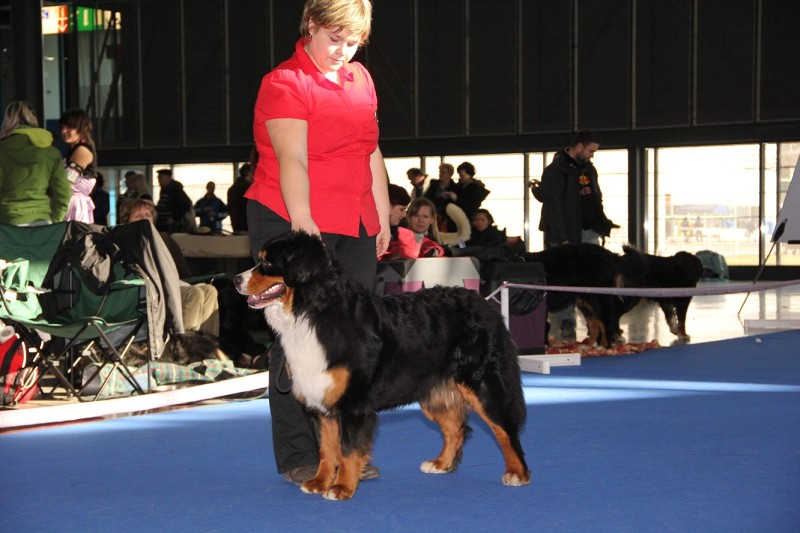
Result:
pixel 320 171
pixel 404 243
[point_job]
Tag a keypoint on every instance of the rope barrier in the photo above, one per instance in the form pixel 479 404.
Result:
pixel 727 288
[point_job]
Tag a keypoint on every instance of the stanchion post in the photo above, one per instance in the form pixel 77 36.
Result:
pixel 504 304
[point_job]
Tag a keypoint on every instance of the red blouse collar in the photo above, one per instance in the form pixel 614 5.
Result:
pixel 308 66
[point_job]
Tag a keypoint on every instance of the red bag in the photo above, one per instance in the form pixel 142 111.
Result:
pixel 18 379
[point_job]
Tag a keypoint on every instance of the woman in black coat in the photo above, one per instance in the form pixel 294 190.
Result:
pixel 484 232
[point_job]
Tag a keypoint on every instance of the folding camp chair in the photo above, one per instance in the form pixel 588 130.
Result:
pixel 39 297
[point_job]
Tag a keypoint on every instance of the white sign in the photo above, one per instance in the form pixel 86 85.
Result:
pixel 789 216
pixel 55 19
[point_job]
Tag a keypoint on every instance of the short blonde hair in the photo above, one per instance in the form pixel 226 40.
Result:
pixel 448 167
pixel 352 15
pixel 18 114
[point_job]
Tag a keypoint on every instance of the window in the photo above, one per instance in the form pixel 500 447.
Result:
pixel 195 178
pixel 708 199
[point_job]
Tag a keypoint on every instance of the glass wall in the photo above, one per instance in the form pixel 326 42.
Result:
pixel 709 198
pixel 504 176
pixel 698 198
pixel 612 172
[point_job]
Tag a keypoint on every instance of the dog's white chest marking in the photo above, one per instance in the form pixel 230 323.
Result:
pixel 305 355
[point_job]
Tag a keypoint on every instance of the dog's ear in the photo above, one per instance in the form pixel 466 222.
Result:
pixel 306 260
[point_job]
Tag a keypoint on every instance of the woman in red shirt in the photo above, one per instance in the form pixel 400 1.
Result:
pixel 319 170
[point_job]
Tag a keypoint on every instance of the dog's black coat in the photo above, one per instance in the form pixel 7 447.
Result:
pixel 443 347
pixel 590 265
pixel 668 272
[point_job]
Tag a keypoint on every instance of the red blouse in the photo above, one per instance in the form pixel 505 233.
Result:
pixel 342 134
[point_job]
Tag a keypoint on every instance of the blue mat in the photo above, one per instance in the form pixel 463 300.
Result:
pixel 689 438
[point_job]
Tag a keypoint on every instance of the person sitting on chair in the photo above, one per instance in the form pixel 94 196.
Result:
pixel 199 301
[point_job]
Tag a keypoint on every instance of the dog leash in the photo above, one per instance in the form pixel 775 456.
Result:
pixel 283 374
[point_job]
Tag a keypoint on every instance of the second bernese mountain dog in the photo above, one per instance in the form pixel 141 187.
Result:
pixel 352 354
pixel 590 265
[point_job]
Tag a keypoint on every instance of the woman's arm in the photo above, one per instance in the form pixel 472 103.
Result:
pixel 289 137
pixel 82 157
pixel 380 191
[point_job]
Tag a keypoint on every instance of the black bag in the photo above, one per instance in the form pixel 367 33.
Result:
pixel 527 308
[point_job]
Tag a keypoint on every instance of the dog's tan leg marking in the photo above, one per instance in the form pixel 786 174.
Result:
pixel 593 330
pixel 348 477
pixel 592 322
pixel 597 331
pixel 451 417
pixel 329 457
pixel 340 377
pixel 516 474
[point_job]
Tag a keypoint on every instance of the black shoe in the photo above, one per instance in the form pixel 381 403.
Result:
pixel 301 474
pixel 370 472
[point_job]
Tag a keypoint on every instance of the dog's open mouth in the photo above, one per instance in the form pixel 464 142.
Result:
pixel 262 299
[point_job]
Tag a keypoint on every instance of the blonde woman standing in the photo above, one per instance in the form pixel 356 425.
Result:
pixel 320 171
pixel 29 167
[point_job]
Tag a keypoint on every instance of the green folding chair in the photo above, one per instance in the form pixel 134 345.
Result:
pixel 36 299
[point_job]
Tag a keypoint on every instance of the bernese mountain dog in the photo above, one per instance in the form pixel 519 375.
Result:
pixel 590 265
pixel 680 270
pixel 352 353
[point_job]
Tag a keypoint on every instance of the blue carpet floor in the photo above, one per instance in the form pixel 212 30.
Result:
pixel 693 438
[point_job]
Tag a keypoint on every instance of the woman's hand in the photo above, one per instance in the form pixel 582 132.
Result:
pixel 382 241
pixel 305 224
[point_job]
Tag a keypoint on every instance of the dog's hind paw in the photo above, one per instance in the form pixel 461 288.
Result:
pixel 430 467
pixel 512 479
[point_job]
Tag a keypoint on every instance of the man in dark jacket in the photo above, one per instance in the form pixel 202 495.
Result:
pixel 174 206
pixel 237 203
pixel 572 205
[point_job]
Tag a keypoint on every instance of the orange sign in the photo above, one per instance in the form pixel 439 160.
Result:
pixel 63 19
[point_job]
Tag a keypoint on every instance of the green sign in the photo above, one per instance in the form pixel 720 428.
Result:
pixel 86 19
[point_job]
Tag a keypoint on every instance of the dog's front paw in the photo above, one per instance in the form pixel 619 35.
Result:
pixel 514 479
pixel 432 467
pixel 339 492
pixel 314 486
